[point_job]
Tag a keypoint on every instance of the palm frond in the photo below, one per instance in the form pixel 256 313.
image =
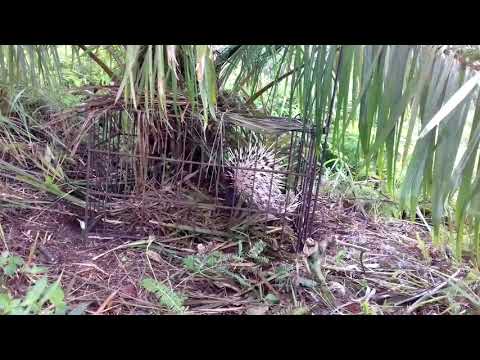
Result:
pixel 411 104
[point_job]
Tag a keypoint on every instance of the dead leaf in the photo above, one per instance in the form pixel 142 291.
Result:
pixel 310 247
pixel 302 310
pixel 224 284
pixel 323 245
pixel 130 290
pixel 201 249
pixel 154 256
pixel 354 308
pixel 309 283
pixel 106 303
pixel 93 266
pixel 244 264
pixel 258 310
pixel 337 287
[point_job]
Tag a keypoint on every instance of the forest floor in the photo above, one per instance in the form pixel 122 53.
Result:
pixel 355 265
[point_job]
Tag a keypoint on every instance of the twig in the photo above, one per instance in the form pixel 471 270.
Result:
pixel 426 294
pixel 105 310
pixel 32 249
pixel 92 265
pixel 268 285
pixel 341 269
pixel 258 284
pixel 361 261
pixel 105 303
pixel 49 257
pixel 420 215
pixel 99 62
pixel 351 245
pixel 2 235
pixel 123 246
pixel 191 228
pixel 268 86
pixel 216 311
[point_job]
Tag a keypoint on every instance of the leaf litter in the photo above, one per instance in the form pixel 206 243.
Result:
pixel 353 265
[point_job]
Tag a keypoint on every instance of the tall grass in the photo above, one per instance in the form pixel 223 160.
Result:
pixel 388 93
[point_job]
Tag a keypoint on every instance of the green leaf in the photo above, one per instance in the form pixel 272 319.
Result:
pixel 4 258
pixel 34 270
pixel 190 263
pixel 12 265
pixel 426 59
pixel 167 297
pixel 150 284
pixel 272 299
pixel 207 81
pixel 368 71
pixel 419 170
pixel 35 293
pixel 448 140
pixel 454 101
pixel 394 102
pixel 5 303
pixel 54 294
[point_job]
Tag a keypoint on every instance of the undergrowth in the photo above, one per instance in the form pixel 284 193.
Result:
pixel 41 297
pixel 345 180
pixel 166 296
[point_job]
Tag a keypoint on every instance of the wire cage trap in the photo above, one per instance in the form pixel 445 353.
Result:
pixel 238 166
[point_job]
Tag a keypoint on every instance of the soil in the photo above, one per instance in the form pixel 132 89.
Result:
pixel 366 264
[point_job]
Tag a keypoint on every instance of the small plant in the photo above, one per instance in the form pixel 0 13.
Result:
pixel 424 249
pixel 214 265
pixel 255 253
pixel 10 264
pixel 367 309
pixel 203 263
pixel 284 270
pixel 165 295
pixel 272 299
pixel 41 299
pixel 210 263
pixel 340 257
pixel 463 294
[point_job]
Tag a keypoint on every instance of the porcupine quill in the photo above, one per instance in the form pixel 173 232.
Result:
pixel 266 183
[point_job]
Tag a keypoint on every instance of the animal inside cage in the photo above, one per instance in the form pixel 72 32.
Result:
pixel 238 166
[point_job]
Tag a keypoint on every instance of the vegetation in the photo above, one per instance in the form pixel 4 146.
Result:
pixel 40 298
pixel 400 126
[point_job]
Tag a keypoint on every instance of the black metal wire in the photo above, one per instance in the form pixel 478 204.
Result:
pixel 99 176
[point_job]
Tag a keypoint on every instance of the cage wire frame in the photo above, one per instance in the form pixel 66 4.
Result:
pixel 117 161
pixel 118 150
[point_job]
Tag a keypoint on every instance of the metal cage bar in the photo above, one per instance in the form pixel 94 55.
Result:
pixel 124 162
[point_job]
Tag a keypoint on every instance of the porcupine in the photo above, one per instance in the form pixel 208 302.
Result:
pixel 263 190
